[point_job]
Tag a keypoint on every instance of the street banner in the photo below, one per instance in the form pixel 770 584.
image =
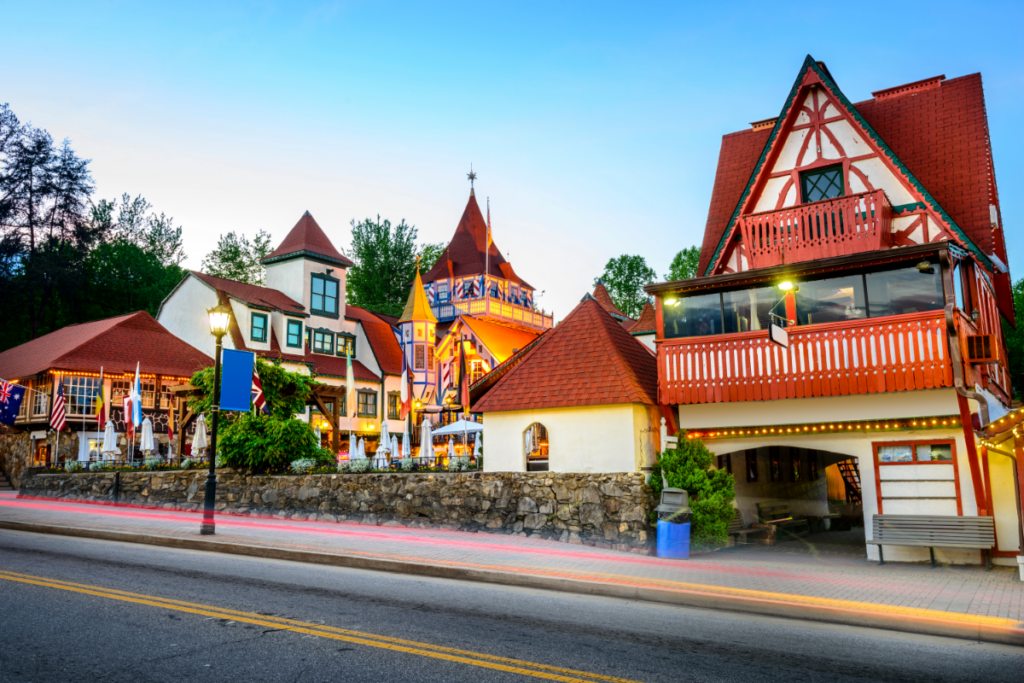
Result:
pixel 236 379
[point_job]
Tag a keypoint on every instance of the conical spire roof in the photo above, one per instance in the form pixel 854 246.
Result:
pixel 417 308
pixel 307 239
pixel 466 254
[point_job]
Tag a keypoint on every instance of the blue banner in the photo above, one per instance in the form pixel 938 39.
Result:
pixel 236 379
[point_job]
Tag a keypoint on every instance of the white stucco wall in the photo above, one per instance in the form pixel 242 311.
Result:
pixel 184 315
pixel 292 277
pixel 646 339
pixel 607 438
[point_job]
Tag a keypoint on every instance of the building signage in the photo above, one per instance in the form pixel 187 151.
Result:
pixel 778 335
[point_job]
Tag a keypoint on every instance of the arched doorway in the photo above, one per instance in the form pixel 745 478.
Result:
pixel 535 447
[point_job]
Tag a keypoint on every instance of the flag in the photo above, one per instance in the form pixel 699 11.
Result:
pixel 463 380
pixel 11 396
pixel 170 421
pixel 350 382
pixel 137 399
pixel 406 388
pixel 259 401
pixel 99 404
pixel 57 417
pixel 129 428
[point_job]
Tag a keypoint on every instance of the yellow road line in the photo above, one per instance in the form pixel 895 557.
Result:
pixel 394 644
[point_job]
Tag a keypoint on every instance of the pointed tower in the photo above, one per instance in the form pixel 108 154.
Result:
pixel 308 268
pixel 418 328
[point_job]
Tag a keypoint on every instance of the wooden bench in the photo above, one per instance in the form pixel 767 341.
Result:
pixel 778 517
pixel 736 529
pixel 933 531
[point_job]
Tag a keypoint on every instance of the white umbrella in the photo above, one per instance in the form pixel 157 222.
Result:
pixel 147 437
pixel 476 446
pixel 459 428
pixel 109 440
pixel 529 439
pixel 451 450
pixel 380 459
pixel 426 443
pixel 385 438
pixel 199 441
pixel 360 449
pixel 406 443
pixel 396 453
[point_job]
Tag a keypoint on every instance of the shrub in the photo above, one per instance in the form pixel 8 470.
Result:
pixel 152 463
pixel 454 464
pixel 189 463
pixel 407 464
pixel 711 491
pixel 303 465
pixel 95 466
pixel 71 466
pixel 358 465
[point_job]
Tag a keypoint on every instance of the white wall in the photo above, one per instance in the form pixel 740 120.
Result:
pixel 646 339
pixel 184 315
pixel 292 277
pixel 581 439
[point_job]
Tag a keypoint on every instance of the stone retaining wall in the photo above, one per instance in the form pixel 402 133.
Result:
pixel 605 510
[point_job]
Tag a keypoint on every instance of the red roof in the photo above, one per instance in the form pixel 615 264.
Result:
pixel 324 365
pixel 115 344
pixel 940 133
pixel 646 323
pixel 588 359
pixel 466 254
pixel 382 339
pixel 307 239
pixel 261 297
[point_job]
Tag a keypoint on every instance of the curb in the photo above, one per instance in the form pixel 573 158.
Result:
pixel 687 598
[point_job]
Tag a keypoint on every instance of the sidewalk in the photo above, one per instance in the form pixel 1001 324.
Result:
pixel 826 584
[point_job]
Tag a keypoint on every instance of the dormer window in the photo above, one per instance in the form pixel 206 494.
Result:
pixel 294 338
pixel 323 341
pixel 346 345
pixel 258 327
pixel 822 183
pixel 324 299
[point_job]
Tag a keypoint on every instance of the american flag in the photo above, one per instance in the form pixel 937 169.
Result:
pixel 58 416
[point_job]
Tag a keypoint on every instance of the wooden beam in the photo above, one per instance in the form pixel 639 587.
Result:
pixel 972 456
pixel 335 433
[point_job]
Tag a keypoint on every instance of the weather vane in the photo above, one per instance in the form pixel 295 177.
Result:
pixel 471 175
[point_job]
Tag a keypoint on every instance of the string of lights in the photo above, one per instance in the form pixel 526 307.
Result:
pixel 815 428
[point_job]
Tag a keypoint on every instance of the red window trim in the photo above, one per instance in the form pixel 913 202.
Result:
pixel 875 445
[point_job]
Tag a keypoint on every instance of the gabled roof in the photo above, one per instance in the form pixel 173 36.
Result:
pixel 416 307
pixel 381 337
pixel 646 323
pixel 254 295
pixel 115 344
pixel 936 137
pixel 500 340
pixel 466 254
pixel 322 364
pixel 307 239
pixel 588 359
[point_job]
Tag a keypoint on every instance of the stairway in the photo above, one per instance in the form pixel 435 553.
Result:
pixel 851 477
pixel 5 484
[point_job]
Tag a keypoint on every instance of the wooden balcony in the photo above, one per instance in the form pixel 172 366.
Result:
pixel 831 227
pixel 898 353
pixel 490 307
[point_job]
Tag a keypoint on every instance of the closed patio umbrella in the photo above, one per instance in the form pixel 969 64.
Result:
pixel 147 437
pixel 451 450
pixel 109 447
pixel 406 443
pixel 199 441
pixel 426 443
pixel 385 439
pixel 396 453
pixel 476 446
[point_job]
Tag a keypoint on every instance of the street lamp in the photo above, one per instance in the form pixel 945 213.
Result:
pixel 220 318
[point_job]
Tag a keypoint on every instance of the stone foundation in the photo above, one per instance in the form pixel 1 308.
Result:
pixel 605 510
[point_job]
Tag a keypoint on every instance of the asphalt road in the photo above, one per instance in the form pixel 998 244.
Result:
pixel 60 621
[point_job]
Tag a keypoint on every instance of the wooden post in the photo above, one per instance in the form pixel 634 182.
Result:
pixel 972 456
pixel 180 404
pixel 336 427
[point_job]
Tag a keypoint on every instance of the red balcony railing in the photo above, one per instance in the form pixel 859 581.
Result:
pixel 870 356
pixel 832 227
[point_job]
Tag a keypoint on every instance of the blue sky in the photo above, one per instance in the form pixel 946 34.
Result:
pixel 594 127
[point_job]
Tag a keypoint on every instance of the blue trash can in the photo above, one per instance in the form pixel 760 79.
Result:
pixel 673 540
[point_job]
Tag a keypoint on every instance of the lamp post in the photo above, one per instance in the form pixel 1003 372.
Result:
pixel 220 318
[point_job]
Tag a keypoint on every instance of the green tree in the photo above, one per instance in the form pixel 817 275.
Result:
pixel 124 277
pixel 711 491
pixel 261 442
pixel 385 258
pixel 1015 339
pixel 238 258
pixel 429 253
pixel 132 221
pixel 625 278
pixel 684 265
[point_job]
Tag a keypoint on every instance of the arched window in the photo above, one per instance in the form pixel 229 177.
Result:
pixel 535 446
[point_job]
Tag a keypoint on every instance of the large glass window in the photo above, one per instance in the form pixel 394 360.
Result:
pixel 905 290
pixel 294 338
pixel 394 405
pixel 832 300
pixel 323 342
pixel 822 183
pixel 41 398
pixel 367 404
pixel 80 395
pixel 750 309
pixel 258 331
pixel 692 316
pixel 324 300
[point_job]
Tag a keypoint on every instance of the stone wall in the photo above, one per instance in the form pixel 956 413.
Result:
pixel 606 510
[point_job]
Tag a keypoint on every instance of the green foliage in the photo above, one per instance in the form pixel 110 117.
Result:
pixel 711 492
pixel 238 258
pixel 264 442
pixel 124 277
pixel 684 265
pixel 429 253
pixel 385 259
pixel 625 278
pixel 1015 339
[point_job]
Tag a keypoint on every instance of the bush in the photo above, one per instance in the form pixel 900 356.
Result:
pixel 189 463
pixel 407 464
pixel 711 491
pixel 71 466
pixel 95 466
pixel 303 465
pixel 358 465
pixel 152 463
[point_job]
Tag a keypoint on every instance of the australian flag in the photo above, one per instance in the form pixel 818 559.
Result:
pixel 11 396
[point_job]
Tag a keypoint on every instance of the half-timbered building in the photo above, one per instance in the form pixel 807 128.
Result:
pixel 846 322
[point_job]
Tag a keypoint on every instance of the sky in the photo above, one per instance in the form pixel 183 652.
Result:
pixel 594 127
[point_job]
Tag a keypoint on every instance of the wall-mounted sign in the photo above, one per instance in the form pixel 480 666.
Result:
pixel 778 335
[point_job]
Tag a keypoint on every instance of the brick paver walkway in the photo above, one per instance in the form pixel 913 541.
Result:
pixel 823 573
